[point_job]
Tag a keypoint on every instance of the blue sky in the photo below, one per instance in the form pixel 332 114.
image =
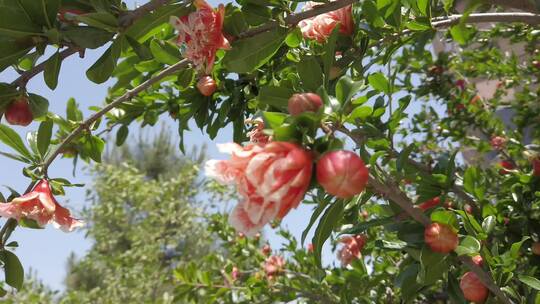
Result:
pixel 46 251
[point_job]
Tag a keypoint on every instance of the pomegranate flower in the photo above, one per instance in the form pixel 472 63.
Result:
pixel 274 265
pixel 200 35
pixel 321 26
pixel 256 135
pixel 40 206
pixel 271 178
pixel 352 247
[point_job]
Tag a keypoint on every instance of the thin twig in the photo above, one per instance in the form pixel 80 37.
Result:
pixel 131 16
pixel 125 21
pixel 391 191
pixel 26 76
pixel 128 95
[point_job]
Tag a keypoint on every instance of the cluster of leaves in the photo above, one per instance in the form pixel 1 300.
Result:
pixel 370 89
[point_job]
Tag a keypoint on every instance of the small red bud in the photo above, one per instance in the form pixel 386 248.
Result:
pixel 18 112
pixel 506 221
pixel 536 64
pixel 536 166
pixel 207 85
pixel 472 287
pixel 478 260
pixel 468 208
pixel 440 238
pixel 535 248
pixel 460 83
pixel 266 250
pixel 506 166
pixel 310 248
pixel 342 173
pixel 430 203
pixel 305 102
pixel 498 142
pixel 364 214
pixel 241 235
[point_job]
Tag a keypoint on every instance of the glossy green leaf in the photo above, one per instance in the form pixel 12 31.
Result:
pixel 52 70
pixel 468 246
pixel 251 53
pixel 44 136
pixel 13 269
pixel 530 281
pixel 328 222
pixel 13 140
pixel 165 52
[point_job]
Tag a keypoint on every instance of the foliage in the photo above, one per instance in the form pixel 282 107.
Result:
pixel 384 93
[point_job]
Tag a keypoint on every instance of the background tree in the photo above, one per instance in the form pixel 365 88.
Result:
pixel 145 219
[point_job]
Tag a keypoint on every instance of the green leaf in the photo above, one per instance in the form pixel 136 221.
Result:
pixel 16 22
pixel 13 140
pixel 423 6
pixel 329 55
pixel 468 246
pixel 42 12
pixel 530 281
pixel 346 88
pixel 121 135
pixel 12 50
pixel 142 51
pixel 152 23
pixel 52 69
pixel 13 269
pixel 44 136
pixel 29 223
pixel 461 33
pixel 489 223
pixel 379 82
pixel 514 249
pixel 88 37
pixel 251 53
pixel 328 222
pixel 275 96
pixel 103 68
pixel 39 106
pixel 102 20
pixel 320 208
pixel 445 217
pixel 72 111
pixel 310 73
pixel 274 120
pixel 95 146
pixel 432 266
pixel 165 52
pixel 362 113
pixel 363 226
pixel 294 38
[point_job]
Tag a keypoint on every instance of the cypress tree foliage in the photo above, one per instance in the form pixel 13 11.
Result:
pixel 144 220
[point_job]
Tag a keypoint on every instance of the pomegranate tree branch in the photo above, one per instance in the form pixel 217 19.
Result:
pixel 128 95
pixel 391 191
pixel 125 21
pixel 507 17
pixel 26 76
pixel 522 5
pixel 131 16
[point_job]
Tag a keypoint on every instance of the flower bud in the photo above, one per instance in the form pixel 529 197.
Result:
pixel 472 288
pixel 305 102
pixel 18 112
pixel 310 248
pixel 536 166
pixel 440 238
pixel 207 85
pixel 506 167
pixel 342 173
pixel 498 142
pixel 266 250
pixel 478 260
pixel 535 248
pixel 430 203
